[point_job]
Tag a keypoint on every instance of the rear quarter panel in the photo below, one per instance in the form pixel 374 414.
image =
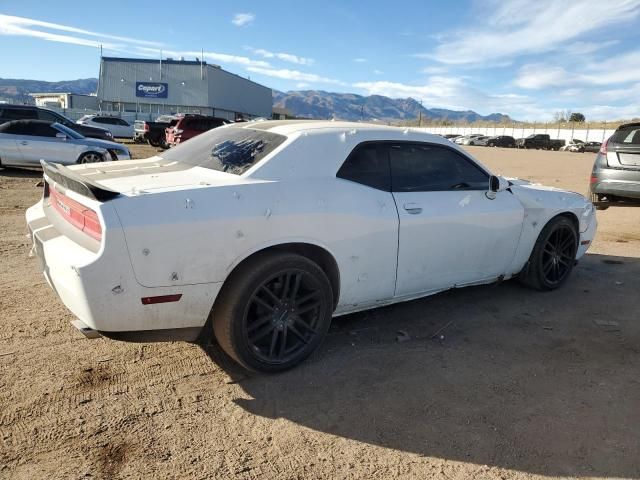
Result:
pixel 200 235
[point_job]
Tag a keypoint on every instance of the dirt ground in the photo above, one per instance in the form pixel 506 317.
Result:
pixel 495 382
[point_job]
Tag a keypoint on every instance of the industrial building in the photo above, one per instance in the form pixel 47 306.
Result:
pixel 179 86
pixel 65 100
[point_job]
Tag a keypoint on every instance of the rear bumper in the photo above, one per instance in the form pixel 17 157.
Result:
pixel 622 183
pixel 100 288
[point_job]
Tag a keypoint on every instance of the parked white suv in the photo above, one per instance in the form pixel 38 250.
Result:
pixel 118 127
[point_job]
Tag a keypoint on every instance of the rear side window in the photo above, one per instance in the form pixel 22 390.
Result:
pixel 9 114
pixel 230 150
pixel 427 168
pixel 627 135
pixel 368 165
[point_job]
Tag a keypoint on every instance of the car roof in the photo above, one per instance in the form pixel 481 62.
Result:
pixel 288 127
pixel 627 125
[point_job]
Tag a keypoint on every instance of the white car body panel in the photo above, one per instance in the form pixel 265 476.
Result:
pixel 184 230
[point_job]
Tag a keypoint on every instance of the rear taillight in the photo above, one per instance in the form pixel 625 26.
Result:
pixel 594 179
pixel 146 127
pixel 603 147
pixel 78 215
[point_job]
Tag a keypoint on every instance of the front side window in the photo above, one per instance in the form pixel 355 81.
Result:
pixel 230 150
pixel 47 116
pixel 367 165
pixel 426 168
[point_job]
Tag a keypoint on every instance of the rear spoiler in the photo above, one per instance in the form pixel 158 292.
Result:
pixel 72 181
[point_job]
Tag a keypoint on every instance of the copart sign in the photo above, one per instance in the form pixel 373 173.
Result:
pixel 151 90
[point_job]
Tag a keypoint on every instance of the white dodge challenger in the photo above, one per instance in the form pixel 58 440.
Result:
pixel 261 232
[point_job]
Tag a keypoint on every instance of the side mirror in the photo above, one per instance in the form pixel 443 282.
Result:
pixel 61 135
pixel 496 184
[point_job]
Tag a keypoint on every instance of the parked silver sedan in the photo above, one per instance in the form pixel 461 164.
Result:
pixel 25 142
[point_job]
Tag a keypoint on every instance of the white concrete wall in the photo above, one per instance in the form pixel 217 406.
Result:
pixel 567 134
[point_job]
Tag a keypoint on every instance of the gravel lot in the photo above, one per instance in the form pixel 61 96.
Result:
pixel 494 382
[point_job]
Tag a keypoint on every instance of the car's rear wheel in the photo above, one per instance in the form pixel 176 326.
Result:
pixel 553 255
pixel 90 157
pixel 273 312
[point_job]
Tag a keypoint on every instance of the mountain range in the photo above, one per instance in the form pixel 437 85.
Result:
pixel 305 103
pixel 18 90
pixel 349 106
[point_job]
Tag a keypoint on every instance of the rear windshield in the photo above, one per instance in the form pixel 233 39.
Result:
pixel 627 135
pixel 229 149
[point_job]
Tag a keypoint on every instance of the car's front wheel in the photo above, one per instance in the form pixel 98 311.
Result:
pixel 553 255
pixel 90 157
pixel 273 312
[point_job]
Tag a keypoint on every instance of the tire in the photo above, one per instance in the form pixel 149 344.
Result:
pixel 492 144
pixel 273 312
pixel 90 157
pixel 154 142
pixel 553 255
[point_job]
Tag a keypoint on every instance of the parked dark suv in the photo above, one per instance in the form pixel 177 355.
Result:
pixel 501 141
pixel 30 112
pixel 616 171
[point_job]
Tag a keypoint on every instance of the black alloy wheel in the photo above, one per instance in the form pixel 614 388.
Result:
pixel 273 311
pixel 553 255
pixel 283 316
pixel 558 254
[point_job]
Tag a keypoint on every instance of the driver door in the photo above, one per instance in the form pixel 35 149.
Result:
pixel 451 233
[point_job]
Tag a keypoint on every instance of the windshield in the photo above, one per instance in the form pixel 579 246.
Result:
pixel 67 131
pixel 228 149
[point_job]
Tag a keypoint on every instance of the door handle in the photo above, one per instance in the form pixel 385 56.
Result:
pixel 24 142
pixel 412 208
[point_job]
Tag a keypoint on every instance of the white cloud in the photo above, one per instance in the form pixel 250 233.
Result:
pixel 617 69
pixel 210 56
pixel 11 25
pixel 286 57
pixel 377 72
pixel 517 27
pixel 295 75
pixel 302 85
pixel 455 94
pixel 360 60
pixel 243 19
pixel 433 70
pixel 584 48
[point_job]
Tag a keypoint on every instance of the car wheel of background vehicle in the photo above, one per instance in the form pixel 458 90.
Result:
pixel 273 311
pixel 154 142
pixel 492 144
pixel 90 157
pixel 553 255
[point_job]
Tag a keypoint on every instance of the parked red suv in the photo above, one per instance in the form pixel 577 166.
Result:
pixel 189 126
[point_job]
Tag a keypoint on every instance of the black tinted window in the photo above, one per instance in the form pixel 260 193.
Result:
pixel 8 113
pixel 367 165
pixel 231 150
pixel 424 168
pixel 48 116
pixel 39 130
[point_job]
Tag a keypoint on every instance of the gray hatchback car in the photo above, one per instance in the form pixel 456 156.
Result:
pixel 616 171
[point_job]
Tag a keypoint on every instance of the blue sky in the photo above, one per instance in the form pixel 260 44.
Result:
pixel 527 59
